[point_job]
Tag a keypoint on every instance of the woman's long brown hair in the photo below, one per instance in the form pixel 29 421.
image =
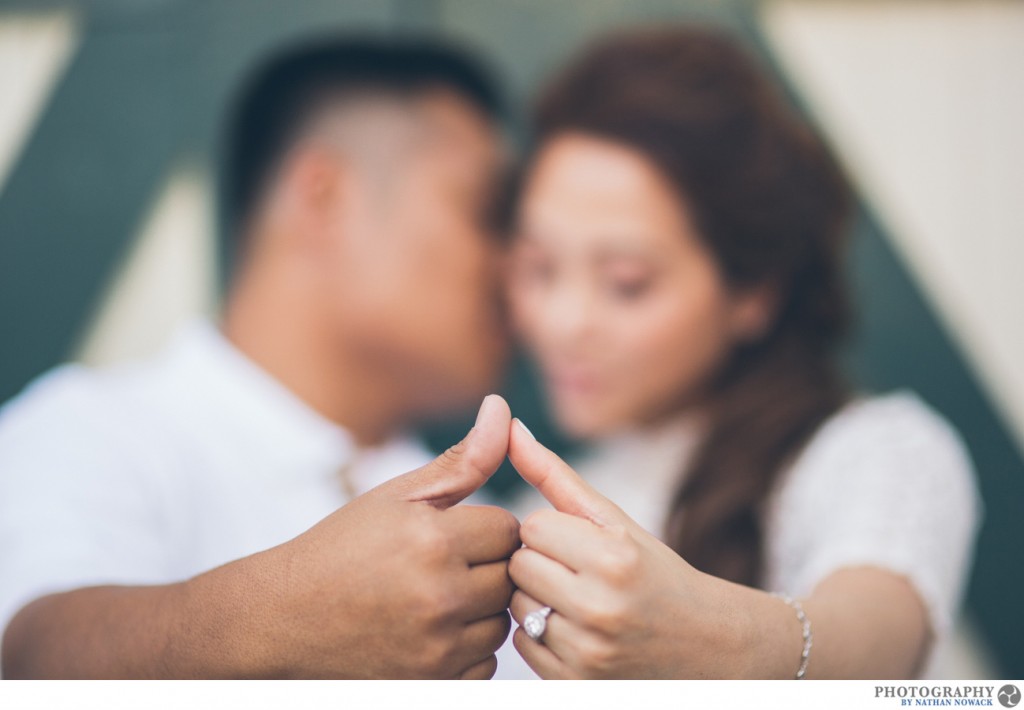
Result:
pixel 771 204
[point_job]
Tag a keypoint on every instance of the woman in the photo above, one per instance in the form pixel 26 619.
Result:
pixel 676 272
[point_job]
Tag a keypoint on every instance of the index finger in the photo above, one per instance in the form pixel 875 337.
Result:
pixel 484 533
pixel 575 542
pixel 557 481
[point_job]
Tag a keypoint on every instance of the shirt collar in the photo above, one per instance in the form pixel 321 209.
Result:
pixel 257 407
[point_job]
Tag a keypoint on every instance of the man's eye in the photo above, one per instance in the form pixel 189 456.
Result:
pixel 536 271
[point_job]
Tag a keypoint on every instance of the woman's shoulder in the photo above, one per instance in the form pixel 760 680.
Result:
pixel 874 425
pixel 885 481
pixel 894 440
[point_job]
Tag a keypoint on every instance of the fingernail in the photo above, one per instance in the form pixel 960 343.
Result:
pixel 525 428
pixel 483 408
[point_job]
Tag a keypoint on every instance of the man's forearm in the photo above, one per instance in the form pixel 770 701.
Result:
pixel 395 584
pixel 205 627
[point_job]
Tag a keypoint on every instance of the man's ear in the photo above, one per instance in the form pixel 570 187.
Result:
pixel 753 312
pixel 310 183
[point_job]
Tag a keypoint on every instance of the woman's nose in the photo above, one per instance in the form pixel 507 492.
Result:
pixel 570 313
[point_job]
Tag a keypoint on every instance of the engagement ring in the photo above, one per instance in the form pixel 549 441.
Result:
pixel 536 623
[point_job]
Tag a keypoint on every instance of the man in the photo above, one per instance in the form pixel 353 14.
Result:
pixel 161 520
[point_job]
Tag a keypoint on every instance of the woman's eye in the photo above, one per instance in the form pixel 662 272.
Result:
pixel 629 290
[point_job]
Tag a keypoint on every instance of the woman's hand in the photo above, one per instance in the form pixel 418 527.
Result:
pixel 625 605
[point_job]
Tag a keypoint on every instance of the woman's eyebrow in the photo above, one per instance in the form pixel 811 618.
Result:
pixel 624 250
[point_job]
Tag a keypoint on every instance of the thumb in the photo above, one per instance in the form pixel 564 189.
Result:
pixel 558 482
pixel 464 467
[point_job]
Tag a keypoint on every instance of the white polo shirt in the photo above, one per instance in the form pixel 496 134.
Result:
pixel 152 473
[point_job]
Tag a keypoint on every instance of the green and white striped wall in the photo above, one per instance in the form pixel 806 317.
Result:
pixel 108 118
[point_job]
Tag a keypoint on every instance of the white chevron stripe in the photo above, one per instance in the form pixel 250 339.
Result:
pixel 34 52
pixel 168 277
pixel 925 102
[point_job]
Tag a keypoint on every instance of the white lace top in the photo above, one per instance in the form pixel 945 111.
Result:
pixel 884 481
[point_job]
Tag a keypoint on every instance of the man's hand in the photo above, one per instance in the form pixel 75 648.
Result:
pixel 401 582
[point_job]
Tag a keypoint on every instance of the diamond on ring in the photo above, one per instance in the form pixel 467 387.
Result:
pixel 536 623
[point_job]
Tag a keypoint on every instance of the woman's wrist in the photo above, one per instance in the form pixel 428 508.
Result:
pixel 806 633
pixel 767 633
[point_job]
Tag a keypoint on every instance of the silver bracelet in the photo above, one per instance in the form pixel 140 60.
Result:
pixel 806 627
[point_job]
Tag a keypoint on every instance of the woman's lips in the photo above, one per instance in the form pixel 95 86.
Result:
pixel 573 383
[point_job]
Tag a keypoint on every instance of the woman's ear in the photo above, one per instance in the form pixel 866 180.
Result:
pixel 753 312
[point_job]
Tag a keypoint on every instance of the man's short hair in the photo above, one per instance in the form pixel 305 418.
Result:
pixel 283 93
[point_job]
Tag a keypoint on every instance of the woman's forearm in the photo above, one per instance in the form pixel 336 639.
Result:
pixel 866 623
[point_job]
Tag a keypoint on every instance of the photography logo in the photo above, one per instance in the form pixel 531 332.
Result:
pixel 913 695
pixel 1009 696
